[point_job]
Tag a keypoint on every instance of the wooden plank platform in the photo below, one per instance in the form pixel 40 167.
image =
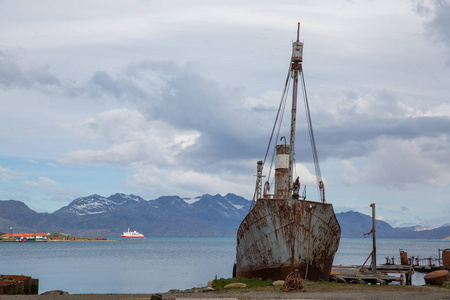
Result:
pixel 351 273
pixel 395 269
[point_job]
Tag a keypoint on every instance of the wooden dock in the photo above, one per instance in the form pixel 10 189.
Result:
pixel 394 269
pixel 352 274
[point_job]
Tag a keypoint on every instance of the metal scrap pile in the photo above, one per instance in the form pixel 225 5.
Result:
pixel 293 282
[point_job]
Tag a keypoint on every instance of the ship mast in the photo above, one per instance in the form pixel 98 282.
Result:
pixel 284 165
pixel 296 69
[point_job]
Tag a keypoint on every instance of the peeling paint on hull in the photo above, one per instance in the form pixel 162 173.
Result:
pixel 280 235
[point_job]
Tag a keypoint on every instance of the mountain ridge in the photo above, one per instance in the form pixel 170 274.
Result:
pixel 172 216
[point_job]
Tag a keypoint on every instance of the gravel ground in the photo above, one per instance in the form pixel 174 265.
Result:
pixel 339 291
pixel 342 291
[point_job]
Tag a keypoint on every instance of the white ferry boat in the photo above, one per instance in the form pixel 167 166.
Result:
pixel 132 235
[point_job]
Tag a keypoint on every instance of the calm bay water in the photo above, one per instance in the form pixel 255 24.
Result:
pixel 161 264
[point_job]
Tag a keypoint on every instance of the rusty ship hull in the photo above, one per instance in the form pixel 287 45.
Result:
pixel 281 235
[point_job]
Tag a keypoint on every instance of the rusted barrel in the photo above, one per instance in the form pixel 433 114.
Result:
pixel 403 258
pixel 446 257
pixel 437 277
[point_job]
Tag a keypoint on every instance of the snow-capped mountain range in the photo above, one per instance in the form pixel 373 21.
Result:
pixel 228 205
pixel 95 215
pixel 172 216
pixel 96 204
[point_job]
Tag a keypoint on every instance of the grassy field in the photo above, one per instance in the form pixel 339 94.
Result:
pixel 258 284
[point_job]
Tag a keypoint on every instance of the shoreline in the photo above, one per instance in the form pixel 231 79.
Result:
pixel 82 240
pixel 57 241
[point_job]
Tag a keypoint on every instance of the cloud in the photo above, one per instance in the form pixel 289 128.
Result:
pixel 7 174
pixel 218 123
pixel 350 175
pixel 352 138
pixel 159 115
pixel 43 183
pixel 402 163
pixel 49 187
pixel 152 181
pixel 172 115
pixel 181 98
pixel 183 118
pixel 177 110
pixel 385 140
pixel 306 177
pixel 133 139
pixel 17 72
pixel 101 82
pixel 438 13
pixel 380 218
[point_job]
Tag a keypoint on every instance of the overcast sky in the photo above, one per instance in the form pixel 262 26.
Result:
pixel 179 97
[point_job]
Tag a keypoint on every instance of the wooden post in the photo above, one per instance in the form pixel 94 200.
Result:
pixel 439 259
pixel 374 254
pixel 408 278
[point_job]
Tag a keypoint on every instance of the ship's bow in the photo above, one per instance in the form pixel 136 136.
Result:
pixel 280 235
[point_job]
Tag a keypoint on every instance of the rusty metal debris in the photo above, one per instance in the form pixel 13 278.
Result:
pixel 18 285
pixel 445 257
pixel 422 264
pixel 293 282
pixel 372 254
pixel 437 277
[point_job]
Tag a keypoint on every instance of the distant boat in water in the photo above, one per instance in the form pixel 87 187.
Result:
pixel 132 235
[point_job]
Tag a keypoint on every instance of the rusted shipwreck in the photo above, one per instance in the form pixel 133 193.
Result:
pixel 283 231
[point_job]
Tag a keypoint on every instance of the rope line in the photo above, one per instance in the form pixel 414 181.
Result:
pixel 277 123
pixel 311 138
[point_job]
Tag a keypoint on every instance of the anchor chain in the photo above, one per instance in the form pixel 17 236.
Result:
pixel 293 282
